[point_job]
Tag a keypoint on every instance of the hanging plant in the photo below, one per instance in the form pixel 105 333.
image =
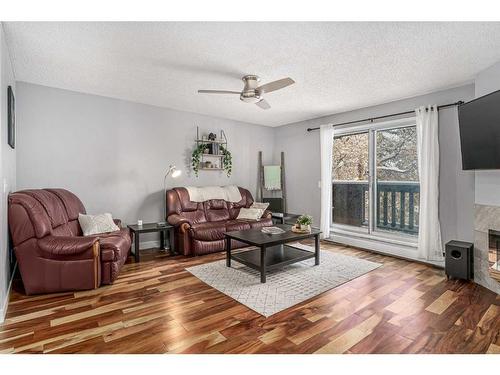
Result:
pixel 227 160
pixel 196 157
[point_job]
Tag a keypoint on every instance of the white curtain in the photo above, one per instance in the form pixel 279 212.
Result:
pixel 429 231
pixel 326 147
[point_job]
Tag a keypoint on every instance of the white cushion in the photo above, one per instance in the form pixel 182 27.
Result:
pixel 262 206
pixel 95 224
pixel 250 213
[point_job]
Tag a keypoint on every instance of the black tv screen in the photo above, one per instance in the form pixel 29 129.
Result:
pixel 479 122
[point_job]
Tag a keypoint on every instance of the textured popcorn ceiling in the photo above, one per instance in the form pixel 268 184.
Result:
pixel 336 66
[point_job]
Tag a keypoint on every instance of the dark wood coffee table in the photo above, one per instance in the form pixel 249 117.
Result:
pixel 272 251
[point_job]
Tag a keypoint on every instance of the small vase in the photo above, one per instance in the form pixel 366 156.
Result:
pixel 305 227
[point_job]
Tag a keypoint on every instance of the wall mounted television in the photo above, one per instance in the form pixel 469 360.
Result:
pixel 479 123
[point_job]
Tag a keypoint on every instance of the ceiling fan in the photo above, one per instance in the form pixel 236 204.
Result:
pixel 252 93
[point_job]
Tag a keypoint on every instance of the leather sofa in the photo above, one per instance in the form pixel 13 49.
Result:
pixel 200 226
pixel 52 254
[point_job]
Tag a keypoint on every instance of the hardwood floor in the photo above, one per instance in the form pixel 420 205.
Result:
pixel 157 307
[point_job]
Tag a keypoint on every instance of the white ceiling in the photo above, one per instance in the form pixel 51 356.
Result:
pixel 336 66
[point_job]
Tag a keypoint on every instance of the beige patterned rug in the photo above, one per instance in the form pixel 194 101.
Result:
pixel 284 287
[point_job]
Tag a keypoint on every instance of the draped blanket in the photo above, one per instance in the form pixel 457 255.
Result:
pixel 272 177
pixel 229 193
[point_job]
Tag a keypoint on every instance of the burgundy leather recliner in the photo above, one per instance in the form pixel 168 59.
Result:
pixel 52 254
pixel 200 226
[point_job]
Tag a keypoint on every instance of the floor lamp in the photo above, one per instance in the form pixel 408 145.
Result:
pixel 174 173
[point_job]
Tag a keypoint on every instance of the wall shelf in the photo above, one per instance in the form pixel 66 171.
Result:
pixel 207 141
pixel 215 155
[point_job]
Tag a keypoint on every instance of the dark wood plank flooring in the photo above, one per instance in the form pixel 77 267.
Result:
pixel 156 306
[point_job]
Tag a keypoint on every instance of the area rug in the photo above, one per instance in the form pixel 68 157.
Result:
pixel 285 287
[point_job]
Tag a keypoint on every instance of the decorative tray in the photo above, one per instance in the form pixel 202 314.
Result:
pixel 298 230
pixel 272 230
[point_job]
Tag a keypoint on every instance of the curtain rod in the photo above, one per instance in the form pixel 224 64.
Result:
pixel 371 119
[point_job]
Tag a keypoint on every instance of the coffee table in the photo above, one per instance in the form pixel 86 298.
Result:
pixel 272 250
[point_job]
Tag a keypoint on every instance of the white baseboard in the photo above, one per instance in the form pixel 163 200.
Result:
pixel 400 251
pixel 5 304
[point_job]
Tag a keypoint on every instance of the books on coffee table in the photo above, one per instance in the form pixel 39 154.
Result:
pixel 272 230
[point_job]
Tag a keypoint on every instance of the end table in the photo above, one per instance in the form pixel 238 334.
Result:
pixel 284 218
pixel 151 228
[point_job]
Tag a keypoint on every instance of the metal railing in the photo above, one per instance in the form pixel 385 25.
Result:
pixel 396 205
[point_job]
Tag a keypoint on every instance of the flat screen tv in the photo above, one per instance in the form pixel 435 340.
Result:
pixel 479 122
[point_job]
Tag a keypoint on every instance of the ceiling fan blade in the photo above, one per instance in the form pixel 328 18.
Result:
pixel 263 104
pixel 218 92
pixel 276 85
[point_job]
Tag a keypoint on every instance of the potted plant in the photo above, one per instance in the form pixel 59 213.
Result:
pixel 304 222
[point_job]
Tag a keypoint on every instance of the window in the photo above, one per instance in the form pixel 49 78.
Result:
pixel 375 179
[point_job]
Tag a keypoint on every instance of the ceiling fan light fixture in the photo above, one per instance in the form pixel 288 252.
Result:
pixel 251 96
pixel 252 92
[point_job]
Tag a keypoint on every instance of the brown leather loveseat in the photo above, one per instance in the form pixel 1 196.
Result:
pixel 52 254
pixel 200 226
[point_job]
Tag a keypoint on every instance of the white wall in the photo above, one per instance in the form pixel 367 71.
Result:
pixel 7 171
pixel 302 157
pixel 113 154
pixel 488 182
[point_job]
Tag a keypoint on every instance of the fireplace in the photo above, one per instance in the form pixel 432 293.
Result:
pixel 494 253
pixel 486 255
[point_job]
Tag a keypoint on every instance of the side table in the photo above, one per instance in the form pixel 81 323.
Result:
pixel 284 218
pixel 152 228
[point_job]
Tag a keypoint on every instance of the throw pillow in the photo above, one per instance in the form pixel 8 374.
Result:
pixel 250 213
pixel 262 206
pixel 95 224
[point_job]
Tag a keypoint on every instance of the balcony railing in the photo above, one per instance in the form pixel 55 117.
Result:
pixel 396 205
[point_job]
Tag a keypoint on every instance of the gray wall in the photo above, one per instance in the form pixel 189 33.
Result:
pixel 302 156
pixel 7 171
pixel 113 154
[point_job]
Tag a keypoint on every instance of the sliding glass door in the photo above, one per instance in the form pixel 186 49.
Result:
pixel 375 179
pixel 350 180
pixel 396 176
